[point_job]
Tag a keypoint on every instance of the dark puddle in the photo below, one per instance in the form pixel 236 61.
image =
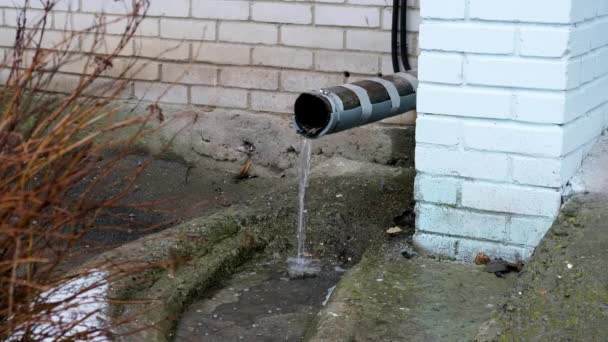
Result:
pixel 260 303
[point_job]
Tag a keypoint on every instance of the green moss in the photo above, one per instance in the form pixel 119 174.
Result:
pixel 559 302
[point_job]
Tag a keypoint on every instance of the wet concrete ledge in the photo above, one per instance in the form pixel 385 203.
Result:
pixel 209 249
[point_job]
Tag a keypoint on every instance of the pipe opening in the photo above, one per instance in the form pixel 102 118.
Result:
pixel 312 114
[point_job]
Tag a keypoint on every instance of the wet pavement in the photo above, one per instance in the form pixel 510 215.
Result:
pixel 168 191
pixel 259 304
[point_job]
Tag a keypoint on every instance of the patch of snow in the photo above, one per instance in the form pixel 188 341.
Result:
pixel 339 269
pixel 329 292
pixel 76 306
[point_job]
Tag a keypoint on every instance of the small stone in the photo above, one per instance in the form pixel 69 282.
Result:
pixel 408 254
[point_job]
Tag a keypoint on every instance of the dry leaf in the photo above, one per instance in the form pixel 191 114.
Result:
pixel 482 259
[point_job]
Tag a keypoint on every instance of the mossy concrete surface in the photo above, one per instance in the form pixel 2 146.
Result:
pixel 563 293
pixel 387 297
pixel 350 204
pixel 189 259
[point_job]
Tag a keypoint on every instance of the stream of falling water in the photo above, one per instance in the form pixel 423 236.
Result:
pixel 301 265
pixel 304 173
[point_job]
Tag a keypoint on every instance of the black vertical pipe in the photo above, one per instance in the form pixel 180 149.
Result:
pixel 394 36
pixel 403 29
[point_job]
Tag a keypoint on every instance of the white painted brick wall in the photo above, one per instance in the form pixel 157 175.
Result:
pixel 281 13
pixel 441 9
pixel 512 95
pixel 522 73
pixel 312 37
pixel 510 198
pixel 340 61
pixel 441 68
pixel 192 74
pixel 465 37
pixel 440 190
pixel 282 57
pixel 221 9
pixel 467 164
pixel 233 53
pixel 347 16
pixel 256 78
pixel 187 29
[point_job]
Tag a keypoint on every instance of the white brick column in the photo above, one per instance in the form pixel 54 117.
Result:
pixel 512 96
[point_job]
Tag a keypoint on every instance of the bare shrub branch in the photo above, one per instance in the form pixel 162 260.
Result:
pixel 52 167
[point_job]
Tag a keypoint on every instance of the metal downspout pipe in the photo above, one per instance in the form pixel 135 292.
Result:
pixel 336 109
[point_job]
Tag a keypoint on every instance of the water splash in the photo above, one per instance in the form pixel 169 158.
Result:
pixel 301 265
